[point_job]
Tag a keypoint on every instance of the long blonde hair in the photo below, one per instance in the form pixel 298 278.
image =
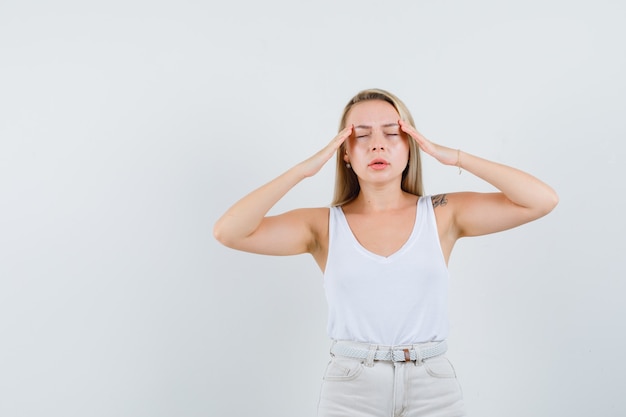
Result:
pixel 346 182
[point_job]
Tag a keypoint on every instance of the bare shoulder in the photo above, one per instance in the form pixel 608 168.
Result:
pixel 316 218
pixel 439 200
pixel 313 214
pixel 443 206
pixel 447 206
pixel 451 200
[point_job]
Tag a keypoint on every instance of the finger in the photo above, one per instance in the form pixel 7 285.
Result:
pixel 412 131
pixel 343 135
pixel 404 125
pixel 336 142
pixel 408 129
pixel 347 131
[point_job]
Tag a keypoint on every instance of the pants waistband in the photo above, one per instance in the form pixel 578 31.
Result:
pixel 369 352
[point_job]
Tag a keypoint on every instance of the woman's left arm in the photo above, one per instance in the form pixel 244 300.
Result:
pixel 522 197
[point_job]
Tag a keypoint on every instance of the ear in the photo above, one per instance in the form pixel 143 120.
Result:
pixel 345 156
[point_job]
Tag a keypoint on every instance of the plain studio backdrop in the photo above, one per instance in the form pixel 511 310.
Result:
pixel 128 127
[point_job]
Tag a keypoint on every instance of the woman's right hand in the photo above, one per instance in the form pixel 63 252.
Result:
pixel 312 165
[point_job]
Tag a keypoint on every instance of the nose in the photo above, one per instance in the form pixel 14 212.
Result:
pixel 378 142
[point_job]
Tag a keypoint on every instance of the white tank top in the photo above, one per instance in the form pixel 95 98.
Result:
pixel 400 299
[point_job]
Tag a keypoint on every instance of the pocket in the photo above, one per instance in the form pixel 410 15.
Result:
pixel 440 367
pixel 343 369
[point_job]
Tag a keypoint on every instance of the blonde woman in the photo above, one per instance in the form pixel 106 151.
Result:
pixel 383 248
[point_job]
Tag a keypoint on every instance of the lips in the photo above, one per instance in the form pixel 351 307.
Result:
pixel 378 163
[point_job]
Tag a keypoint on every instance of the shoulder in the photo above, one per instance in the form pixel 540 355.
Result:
pixel 445 206
pixel 315 217
pixel 311 219
pixel 439 200
pixel 450 200
pixel 312 212
pixel 449 207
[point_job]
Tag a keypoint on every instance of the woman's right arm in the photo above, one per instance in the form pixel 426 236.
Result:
pixel 246 226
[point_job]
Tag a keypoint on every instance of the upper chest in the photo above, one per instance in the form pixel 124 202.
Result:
pixel 382 233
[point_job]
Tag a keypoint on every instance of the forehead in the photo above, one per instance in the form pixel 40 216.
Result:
pixel 372 113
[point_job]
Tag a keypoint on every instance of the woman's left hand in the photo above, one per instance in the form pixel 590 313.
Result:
pixel 446 156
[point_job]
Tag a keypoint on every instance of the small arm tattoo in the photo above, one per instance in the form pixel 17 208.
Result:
pixel 439 200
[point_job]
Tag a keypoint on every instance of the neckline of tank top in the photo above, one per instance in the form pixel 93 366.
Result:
pixel 417 225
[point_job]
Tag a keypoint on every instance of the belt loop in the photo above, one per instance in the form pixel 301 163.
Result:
pixel 332 345
pixel 369 361
pixel 418 355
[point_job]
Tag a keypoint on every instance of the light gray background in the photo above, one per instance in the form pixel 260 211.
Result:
pixel 128 127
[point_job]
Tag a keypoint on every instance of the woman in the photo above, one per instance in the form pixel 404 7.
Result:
pixel 384 248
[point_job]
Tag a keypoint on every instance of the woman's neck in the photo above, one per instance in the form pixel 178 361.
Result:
pixel 375 199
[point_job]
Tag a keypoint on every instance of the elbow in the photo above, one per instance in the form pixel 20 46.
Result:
pixel 219 235
pixel 225 235
pixel 549 203
pixel 553 200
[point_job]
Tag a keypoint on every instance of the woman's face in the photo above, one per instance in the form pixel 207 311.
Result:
pixel 377 150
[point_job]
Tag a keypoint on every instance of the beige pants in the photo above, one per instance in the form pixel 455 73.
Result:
pixel 366 388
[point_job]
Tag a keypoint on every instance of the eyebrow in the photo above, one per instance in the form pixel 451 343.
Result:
pixel 370 127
